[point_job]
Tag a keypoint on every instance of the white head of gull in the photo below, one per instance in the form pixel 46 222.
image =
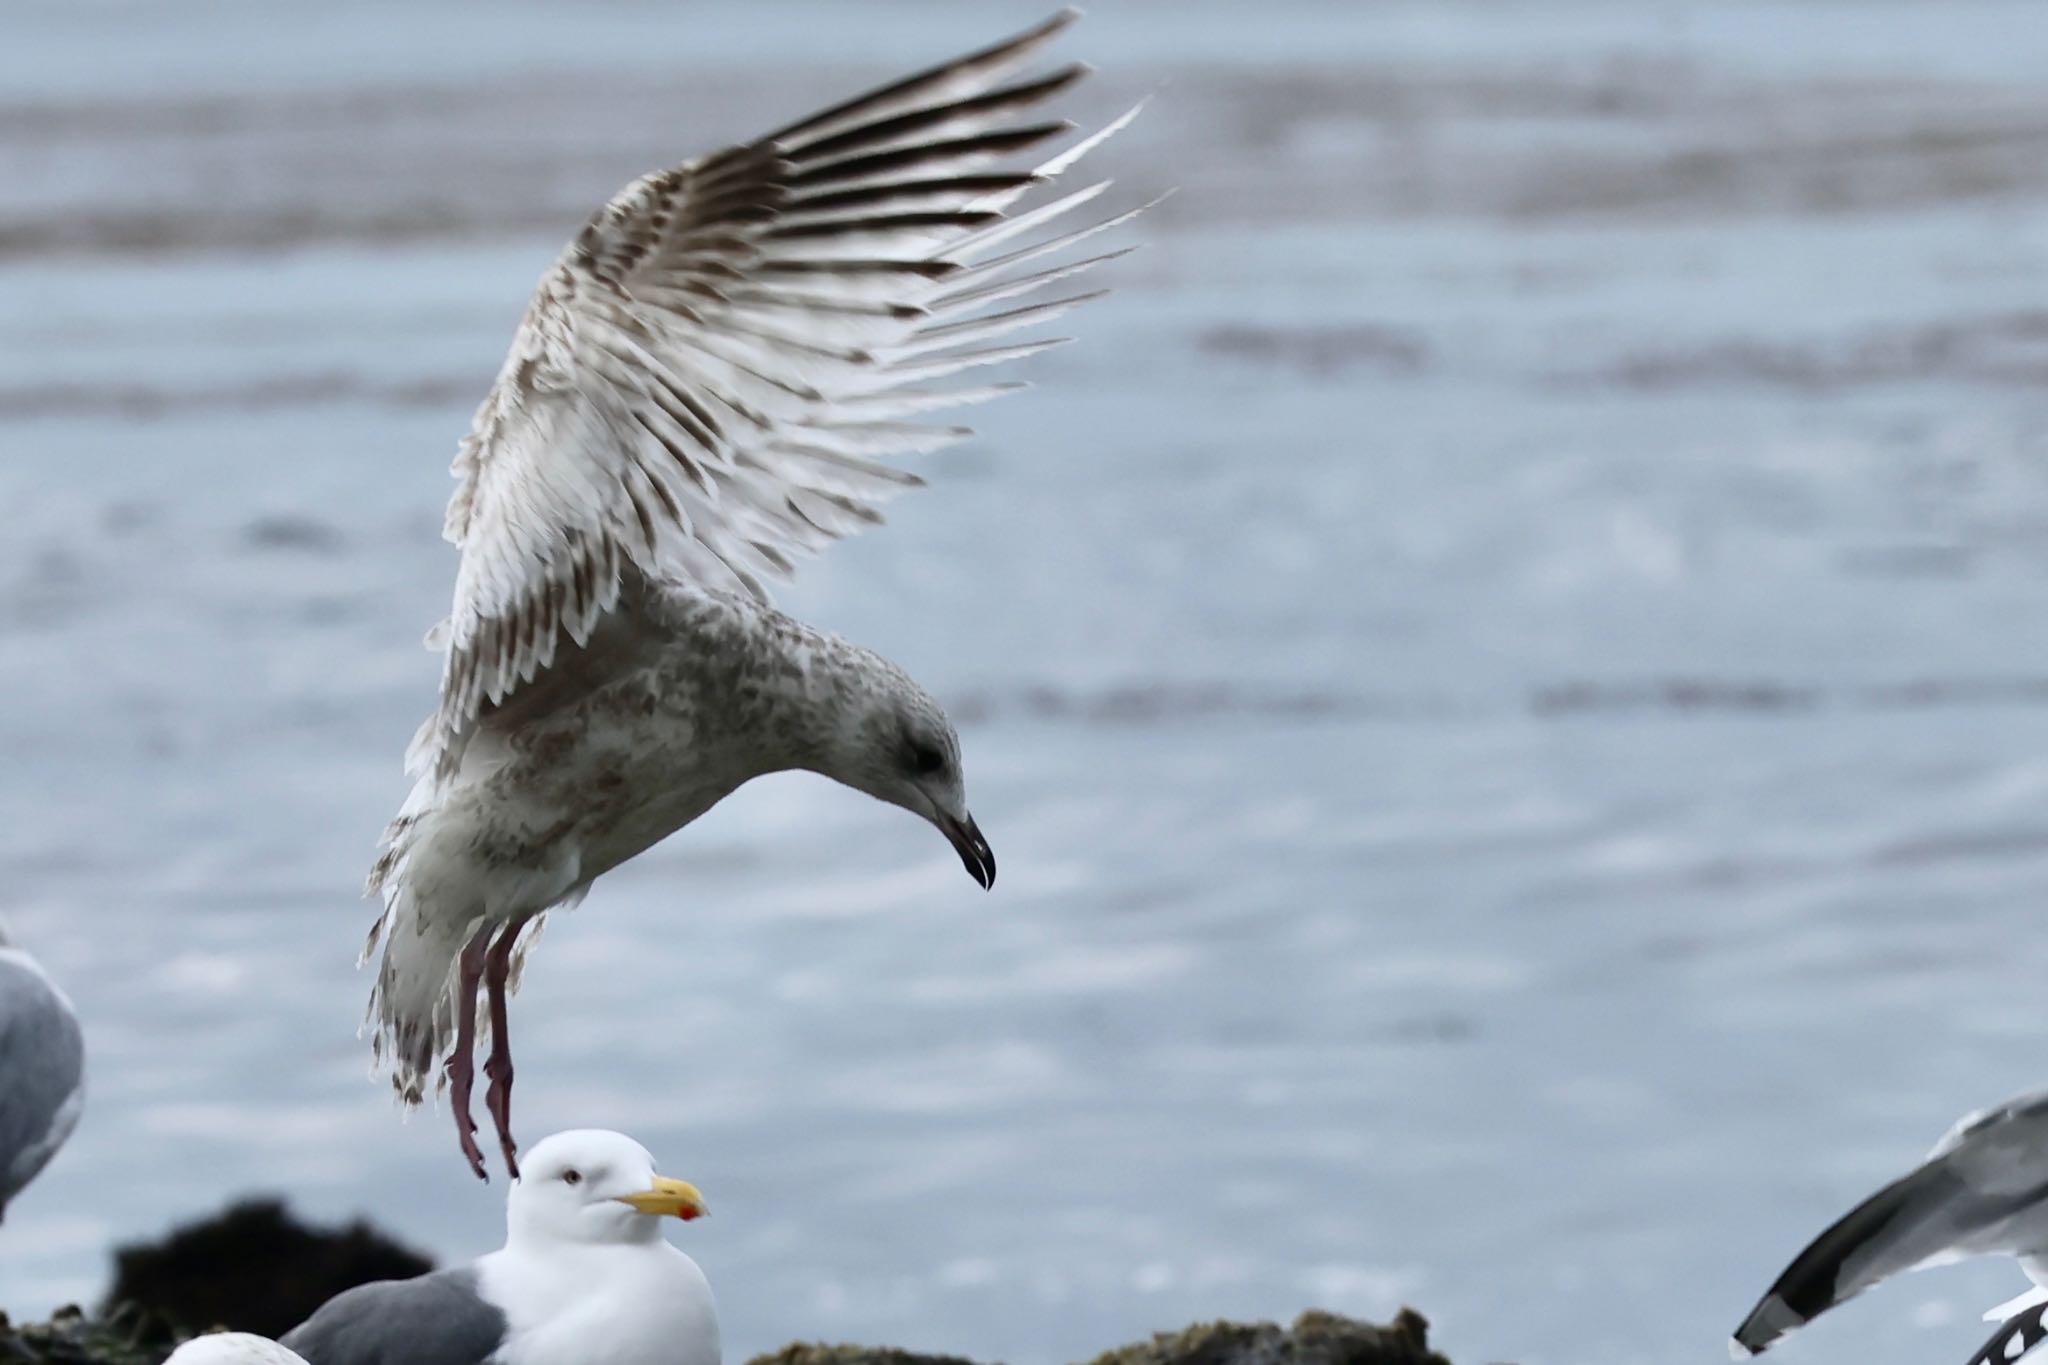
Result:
pixel 42 1069
pixel 709 384
pixel 584 1275
pixel 233 1348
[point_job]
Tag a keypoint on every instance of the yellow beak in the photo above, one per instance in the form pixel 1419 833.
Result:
pixel 676 1197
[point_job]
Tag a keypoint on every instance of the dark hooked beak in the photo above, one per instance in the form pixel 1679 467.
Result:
pixel 974 851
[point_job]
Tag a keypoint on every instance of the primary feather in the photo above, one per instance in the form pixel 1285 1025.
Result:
pixel 707 383
pixel 1982 1190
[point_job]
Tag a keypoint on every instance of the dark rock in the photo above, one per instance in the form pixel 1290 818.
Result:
pixel 71 1338
pixel 1315 1339
pixel 252 1268
pixel 817 1353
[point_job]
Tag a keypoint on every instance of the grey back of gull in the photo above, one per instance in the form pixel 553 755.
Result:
pixel 436 1319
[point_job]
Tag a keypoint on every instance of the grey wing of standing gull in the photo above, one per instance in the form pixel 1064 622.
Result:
pixel 1983 1190
pixel 42 1071
pixel 436 1319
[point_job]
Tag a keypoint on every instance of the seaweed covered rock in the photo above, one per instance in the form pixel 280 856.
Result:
pixel 71 1338
pixel 253 1268
pixel 817 1353
pixel 1314 1339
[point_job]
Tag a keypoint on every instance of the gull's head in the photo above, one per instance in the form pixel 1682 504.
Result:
pixel 593 1186
pixel 900 748
pixel 234 1348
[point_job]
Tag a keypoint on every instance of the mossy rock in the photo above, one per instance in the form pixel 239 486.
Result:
pixel 807 1353
pixel 1315 1339
pixel 71 1338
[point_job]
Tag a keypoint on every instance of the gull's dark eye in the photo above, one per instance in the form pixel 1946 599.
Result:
pixel 572 1177
pixel 925 760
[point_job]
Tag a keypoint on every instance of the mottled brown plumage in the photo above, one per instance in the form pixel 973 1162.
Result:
pixel 706 387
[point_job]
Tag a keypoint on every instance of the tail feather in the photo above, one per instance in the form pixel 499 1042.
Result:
pixel 412 1005
pixel 2035 1297
pixel 436 900
pixel 411 1017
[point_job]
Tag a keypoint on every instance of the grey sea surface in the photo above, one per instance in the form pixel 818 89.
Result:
pixel 1506 670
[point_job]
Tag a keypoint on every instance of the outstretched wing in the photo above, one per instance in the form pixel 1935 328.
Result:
pixel 1976 1193
pixel 707 381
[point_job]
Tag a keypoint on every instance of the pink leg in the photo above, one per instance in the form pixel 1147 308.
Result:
pixel 462 1061
pixel 498 1098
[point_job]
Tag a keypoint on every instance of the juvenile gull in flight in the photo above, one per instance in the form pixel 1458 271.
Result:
pixel 1982 1191
pixel 704 388
pixel 584 1276
pixel 42 1069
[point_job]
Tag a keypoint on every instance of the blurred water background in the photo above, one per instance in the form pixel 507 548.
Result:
pixel 1505 671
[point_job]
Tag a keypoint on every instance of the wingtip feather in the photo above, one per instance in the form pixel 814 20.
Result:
pixel 767 374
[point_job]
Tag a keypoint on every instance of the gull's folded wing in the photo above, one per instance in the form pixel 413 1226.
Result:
pixel 708 382
pixel 439 1318
pixel 42 1073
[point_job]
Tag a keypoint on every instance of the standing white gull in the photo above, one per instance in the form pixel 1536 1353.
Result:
pixel 1983 1190
pixel 702 390
pixel 584 1276
pixel 42 1069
